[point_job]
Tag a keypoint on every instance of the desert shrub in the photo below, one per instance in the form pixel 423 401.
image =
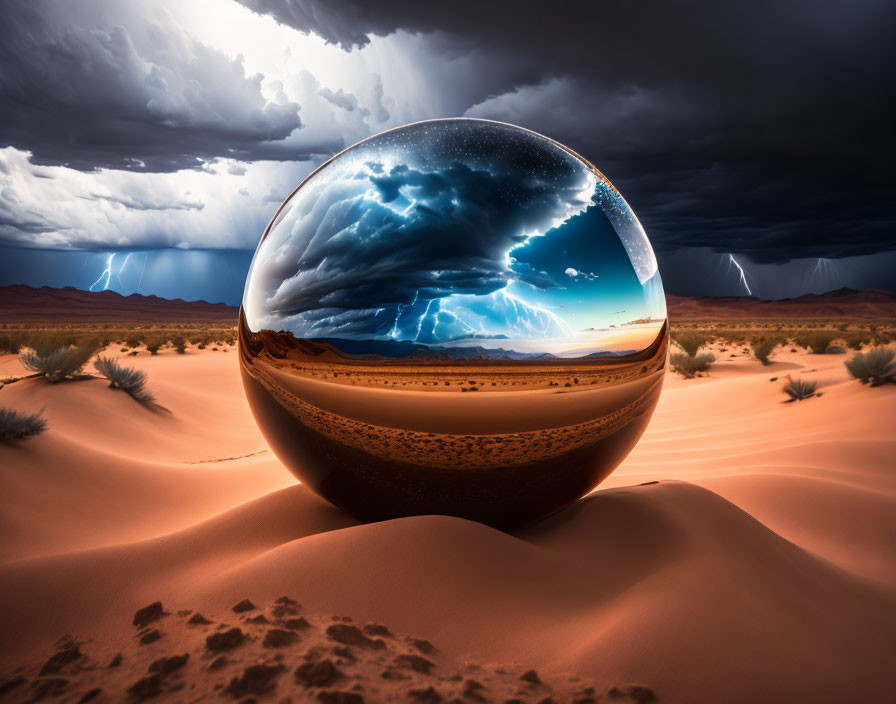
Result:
pixel 178 343
pixel 799 389
pixel 689 365
pixel 132 341
pixel 817 342
pixel 45 342
pixel 877 366
pixel 855 339
pixel 12 342
pixel 128 379
pixel 56 364
pixel 153 344
pixel 691 341
pixel 764 346
pixel 15 425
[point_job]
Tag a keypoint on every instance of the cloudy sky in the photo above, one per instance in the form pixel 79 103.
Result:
pixel 456 231
pixel 145 145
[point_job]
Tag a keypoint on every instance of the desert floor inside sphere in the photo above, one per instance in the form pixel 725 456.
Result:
pixel 743 552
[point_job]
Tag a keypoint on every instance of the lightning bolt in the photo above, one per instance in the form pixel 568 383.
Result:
pixel 121 269
pixel 423 317
pixel 550 315
pixel 106 273
pixel 142 271
pixel 825 269
pixel 393 333
pixel 740 269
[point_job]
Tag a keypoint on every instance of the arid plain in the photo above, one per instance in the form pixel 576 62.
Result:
pixel 743 552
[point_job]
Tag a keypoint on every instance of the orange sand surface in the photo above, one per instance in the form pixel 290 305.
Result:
pixel 760 568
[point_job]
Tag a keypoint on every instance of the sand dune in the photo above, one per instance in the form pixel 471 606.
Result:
pixel 759 568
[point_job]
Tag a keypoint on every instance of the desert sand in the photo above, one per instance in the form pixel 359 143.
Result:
pixel 744 552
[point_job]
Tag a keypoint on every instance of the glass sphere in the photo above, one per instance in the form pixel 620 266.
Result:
pixel 455 317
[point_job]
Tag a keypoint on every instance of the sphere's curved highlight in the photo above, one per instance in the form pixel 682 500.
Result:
pixel 457 317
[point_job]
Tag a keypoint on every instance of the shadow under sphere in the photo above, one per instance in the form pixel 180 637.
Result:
pixel 456 317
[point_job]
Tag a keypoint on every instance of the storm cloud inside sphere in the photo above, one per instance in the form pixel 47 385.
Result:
pixel 426 233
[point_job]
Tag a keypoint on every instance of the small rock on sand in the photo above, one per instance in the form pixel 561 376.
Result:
pixel 284 606
pixel 115 661
pixel 90 695
pixel 376 629
pixel 244 605
pixel 278 638
pixel 425 696
pixel 295 624
pixel 256 679
pixel 166 665
pixel 146 688
pixel 52 687
pixel 530 676
pixel 226 640
pixel 68 654
pixel 12 684
pixel 218 662
pixel 150 637
pixel 472 689
pixel 198 619
pixel 414 662
pixel 335 697
pixel 317 674
pixel 424 646
pixel 637 693
pixel 352 635
pixel 148 614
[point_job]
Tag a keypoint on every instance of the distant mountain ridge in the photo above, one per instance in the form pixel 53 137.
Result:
pixel 22 304
pixel 841 303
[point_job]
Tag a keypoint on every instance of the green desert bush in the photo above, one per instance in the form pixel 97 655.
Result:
pixel 799 389
pixel 56 363
pixel 816 341
pixel 689 365
pixel 128 379
pixel 15 425
pixel 691 341
pixel 876 366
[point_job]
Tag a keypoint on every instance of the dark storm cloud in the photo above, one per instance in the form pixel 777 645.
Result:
pixel 760 128
pixel 452 240
pixel 147 97
pixel 397 238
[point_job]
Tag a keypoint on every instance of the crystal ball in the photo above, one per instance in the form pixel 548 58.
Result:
pixel 456 317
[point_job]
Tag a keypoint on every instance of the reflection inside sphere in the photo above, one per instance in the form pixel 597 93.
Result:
pixel 459 317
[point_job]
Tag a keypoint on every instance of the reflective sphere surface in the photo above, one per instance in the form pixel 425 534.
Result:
pixel 457 317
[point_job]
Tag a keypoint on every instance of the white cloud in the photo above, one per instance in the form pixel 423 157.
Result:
pixel 62 208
